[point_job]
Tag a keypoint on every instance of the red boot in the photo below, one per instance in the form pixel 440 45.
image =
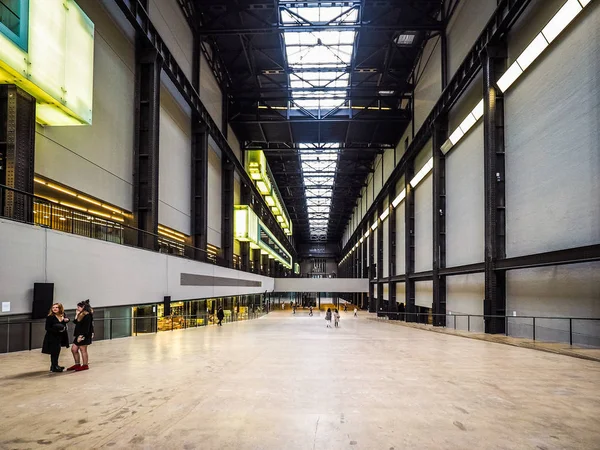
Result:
pixel 80 368
pixel 74 367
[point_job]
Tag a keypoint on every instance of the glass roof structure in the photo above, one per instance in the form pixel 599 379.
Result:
pixel 319 64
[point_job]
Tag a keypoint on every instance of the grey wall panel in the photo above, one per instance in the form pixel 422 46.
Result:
pixel 465 27
pixel 465 200
pixel 552 142
pixel 385 270
pixel 214 197
pixel 388 163
pixel 464 295
pixel 429 83
pixel 377 176
pixel 400 293
pixel 210 92
pixel 424 225
pixel 386 291
pixel 400 239
pixel 170 23
pixel 424 293
pixel 572 290
pixel 98 159
pixel 174 168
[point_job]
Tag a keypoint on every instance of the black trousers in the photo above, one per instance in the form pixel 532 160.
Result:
pixel 54 357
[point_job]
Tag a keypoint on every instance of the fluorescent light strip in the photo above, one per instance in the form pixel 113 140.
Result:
pixel 422 173
pixel 374 226
pixel 385 214
pixel 397 200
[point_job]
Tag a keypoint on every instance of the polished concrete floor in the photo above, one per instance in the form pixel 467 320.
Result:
pixel 288 382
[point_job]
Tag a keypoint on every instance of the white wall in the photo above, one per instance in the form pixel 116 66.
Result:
pixel 210 93
pixel 552 157
pixel 98 159
pixel 321 285
pixel 174 180
pixel 108 274
pixel 400 240
pixel 465 200
pixel 424 293
pixel 214 195
pixel 424 214
pixel 429 81
pixel 464 295
pixel 572 290
pixel 385 270
pixel 466 25
pixel 169 21
pixel 401 293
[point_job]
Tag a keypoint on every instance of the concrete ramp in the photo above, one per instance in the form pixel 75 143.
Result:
pixel 321 285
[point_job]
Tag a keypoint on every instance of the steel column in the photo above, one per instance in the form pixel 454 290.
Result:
pixel 364 267
pixel 371 270
pixel 17 151
pixel 227 175
pixel 146 155
pixel 409 241
pixel 440 133
pixel 379 266
pixel 393 306
pixel 494 65
pixel 199 188
pixel 257 261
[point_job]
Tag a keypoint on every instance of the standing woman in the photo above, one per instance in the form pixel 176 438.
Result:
pixel 56 335
pixel 82 335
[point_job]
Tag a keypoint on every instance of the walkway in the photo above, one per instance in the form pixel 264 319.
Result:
pixel 287 382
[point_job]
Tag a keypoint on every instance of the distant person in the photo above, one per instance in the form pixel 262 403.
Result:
pixel 355 312
pixel 294 309
pixel 336 318
pixel 310 313
pixel 282 306
pixel 56 335
pixel 328 317
pixel 345 307
pixel 82 335
pixel 220 316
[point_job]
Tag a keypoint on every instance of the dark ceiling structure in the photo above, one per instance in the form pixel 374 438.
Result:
pixel 322 87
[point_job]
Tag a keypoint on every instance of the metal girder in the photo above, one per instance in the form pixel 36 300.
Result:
pixel 137 16
pixel 409 241
pixel 146 153
pixel 17 136
pixel 227 193
pixel 576 255
pixel 374 120
pixel 199 192
pixel 494 65
pixel 507 12
pixel 407 26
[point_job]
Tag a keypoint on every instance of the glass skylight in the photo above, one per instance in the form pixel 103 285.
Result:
pixel 318 58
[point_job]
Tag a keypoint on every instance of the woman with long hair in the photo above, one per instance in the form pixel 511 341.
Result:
pixel 56 335
pixel 82 335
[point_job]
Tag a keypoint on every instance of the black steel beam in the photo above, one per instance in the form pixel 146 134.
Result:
pixel 426 275
pixel 575 255
pixel 408 26
pixel 494 65
pixel 462 270
pixel 137 16
pixel 379 266
pixel 440 134
pixel 364 264
pixel 507 12
pixel 227 177
pixel 335 119
pixel 146 151
pixel 199 189
pixel 409 240
pixel 17 151
pixel 393 305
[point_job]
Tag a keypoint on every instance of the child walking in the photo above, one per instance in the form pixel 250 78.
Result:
pixel 336 318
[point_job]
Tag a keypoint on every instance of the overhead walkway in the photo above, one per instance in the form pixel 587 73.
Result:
pixel 288 382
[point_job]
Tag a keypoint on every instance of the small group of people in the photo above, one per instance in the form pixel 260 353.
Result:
pixel 335 315
pixel 57 335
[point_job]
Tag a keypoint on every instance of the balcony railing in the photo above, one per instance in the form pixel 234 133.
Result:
pixel 32 209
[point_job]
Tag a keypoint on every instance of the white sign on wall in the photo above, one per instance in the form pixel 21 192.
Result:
pixel 5 306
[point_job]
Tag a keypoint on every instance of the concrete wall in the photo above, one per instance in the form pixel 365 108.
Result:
pixel 429 81
pixel 464 295
pixel 98 159
pixel 214 195
pixel 106 273
pixel 424 214
pixel 321 285
pixel 174 181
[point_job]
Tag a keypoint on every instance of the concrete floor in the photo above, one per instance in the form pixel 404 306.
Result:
pixel 287 382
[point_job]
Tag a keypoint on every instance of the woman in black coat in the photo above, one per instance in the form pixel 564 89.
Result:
pixel 56 335
pixel 82 335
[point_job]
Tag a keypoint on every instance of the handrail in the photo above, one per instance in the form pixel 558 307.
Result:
pixel 190 251
pixel 402 316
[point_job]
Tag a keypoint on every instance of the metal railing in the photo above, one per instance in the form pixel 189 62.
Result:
pixel 22 334
pixel 29 208
pixel 583 331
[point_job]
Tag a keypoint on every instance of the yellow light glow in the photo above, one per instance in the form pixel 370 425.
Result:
pixel 38 180
pixel 170 236
pixel 98 213
pixel 170 230
pixel 70 205
pixel 89 200
pixel 270 200
pixel 119 219
pixel 262 187
pixel 58 188
pixel 279 219
pixel 110 208
pixel 47 114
